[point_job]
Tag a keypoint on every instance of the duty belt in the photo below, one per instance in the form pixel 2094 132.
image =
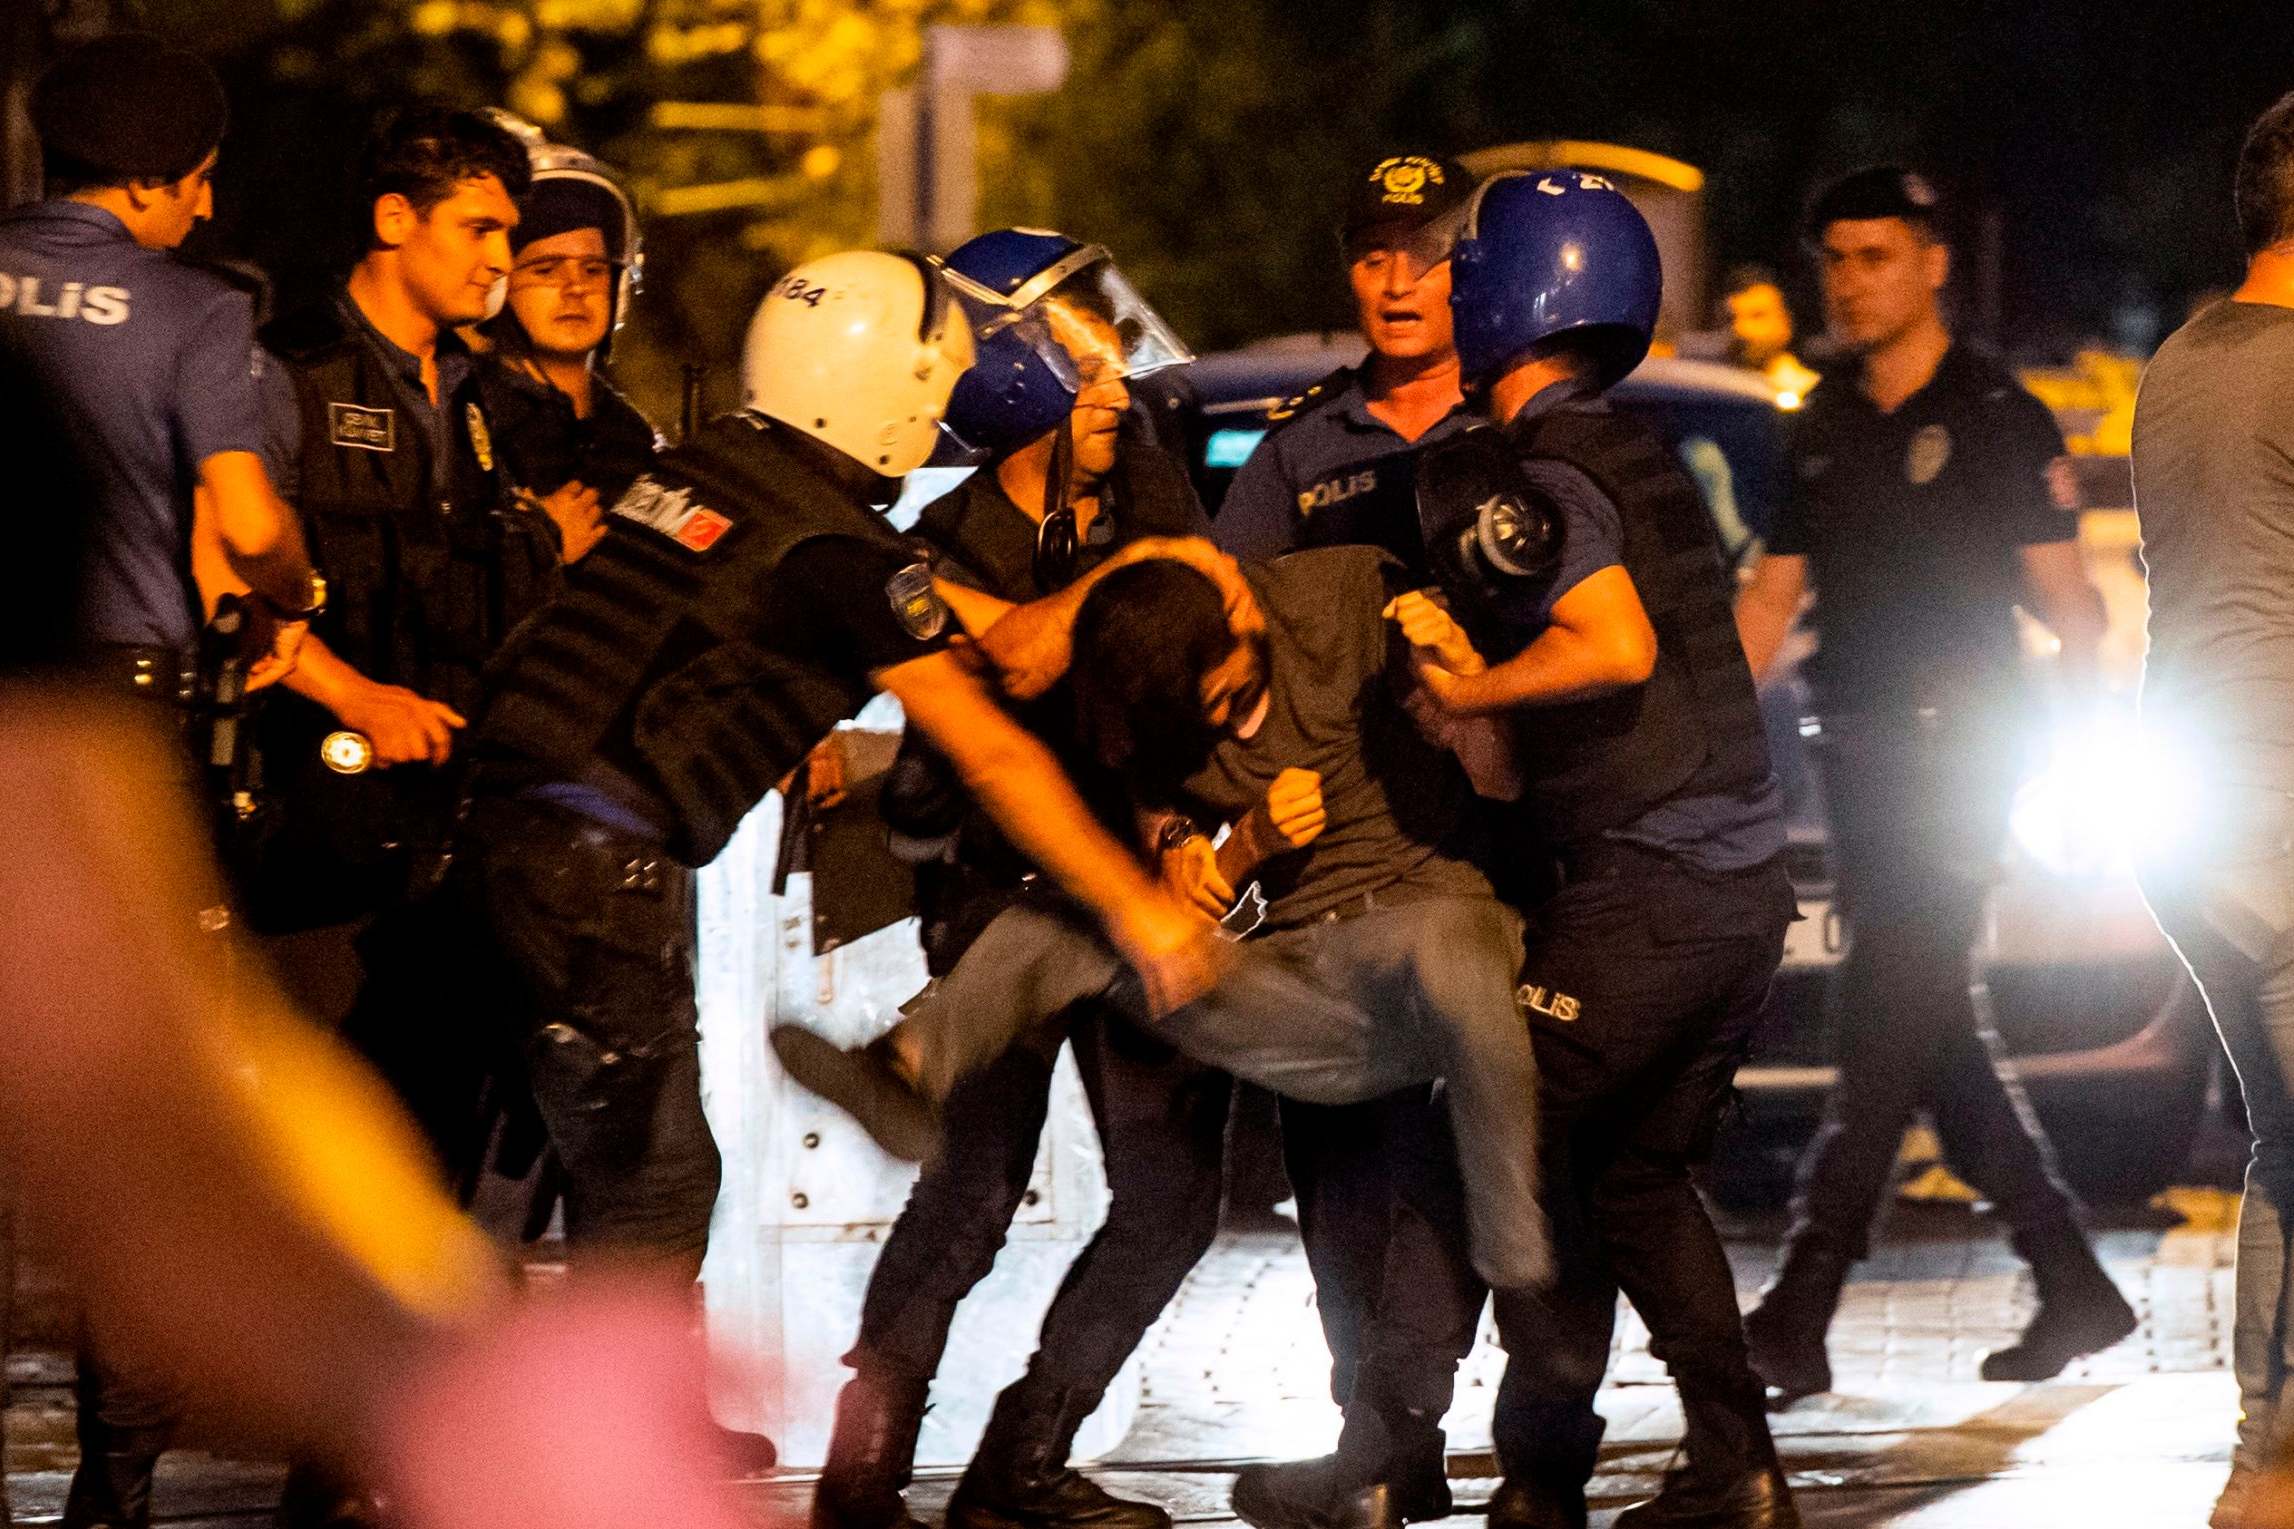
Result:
pixel 159 674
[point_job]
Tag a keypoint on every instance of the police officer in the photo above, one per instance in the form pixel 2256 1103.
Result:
pixel 376 432
pixel 381 441
pixel 559 423
pixel 1333 468
pixel 745 599
pixel 1646 768
pixel 145 362
pixel 1072 474
pixel 147 354
pixel 1929 494
pixel 1375 1184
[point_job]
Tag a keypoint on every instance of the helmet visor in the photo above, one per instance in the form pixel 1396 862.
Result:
pixel 1086 322
pixel 1419 249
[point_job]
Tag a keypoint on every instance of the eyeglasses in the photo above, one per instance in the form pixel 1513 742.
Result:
pixel 568 271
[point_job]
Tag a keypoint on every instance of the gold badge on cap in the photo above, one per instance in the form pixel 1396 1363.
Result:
pixel 481 439
pixel 1403 180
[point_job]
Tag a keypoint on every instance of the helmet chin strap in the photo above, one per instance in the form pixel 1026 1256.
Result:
pixel 1057 492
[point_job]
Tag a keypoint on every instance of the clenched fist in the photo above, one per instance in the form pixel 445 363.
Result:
pixel 1294 806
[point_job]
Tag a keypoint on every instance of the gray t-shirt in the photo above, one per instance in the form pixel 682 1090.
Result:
pixel 2214 487
pixel 1396 808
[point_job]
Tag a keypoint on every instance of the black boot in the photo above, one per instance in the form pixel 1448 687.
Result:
pixel 318 1499
pixel 124 1424
pixel 1732 1479
pixel 1784 1334
pixel 871 1455
pixel 1390 1468
pixel 1314 1494
pixel 2080 1311
pixel 747 1455
pixel 1020 1479
pixel 1521 1503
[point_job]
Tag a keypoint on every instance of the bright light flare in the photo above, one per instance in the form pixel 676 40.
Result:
pixel 2111 794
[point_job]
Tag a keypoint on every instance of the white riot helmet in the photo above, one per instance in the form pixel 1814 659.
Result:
pixel 859 350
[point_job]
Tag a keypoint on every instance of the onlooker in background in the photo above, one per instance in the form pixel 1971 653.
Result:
pixel 145 362
pixel 1760 328
pixel 1930 494
pixel 2211 447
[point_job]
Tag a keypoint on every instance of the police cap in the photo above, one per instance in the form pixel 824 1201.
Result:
pixel 1877 191
pixel 1402 193
pixel 130 105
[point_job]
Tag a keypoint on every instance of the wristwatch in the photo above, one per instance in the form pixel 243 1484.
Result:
pixel 1176 830
pixel 314 601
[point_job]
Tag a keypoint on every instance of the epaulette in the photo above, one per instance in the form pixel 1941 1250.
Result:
pixel 1291 408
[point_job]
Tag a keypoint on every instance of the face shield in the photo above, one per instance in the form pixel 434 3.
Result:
pixel 1079 317
pixel 1419 249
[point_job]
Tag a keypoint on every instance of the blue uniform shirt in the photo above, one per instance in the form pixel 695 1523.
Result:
pixel 148 360
pixel 1713 833
pixel 1329 473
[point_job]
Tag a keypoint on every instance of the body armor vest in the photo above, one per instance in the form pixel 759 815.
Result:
pixel 1694 728
pixel 424 583
pixel 651 679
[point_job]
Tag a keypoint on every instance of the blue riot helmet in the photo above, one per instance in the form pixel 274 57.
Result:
pixel 1547 253
pixel 1049 314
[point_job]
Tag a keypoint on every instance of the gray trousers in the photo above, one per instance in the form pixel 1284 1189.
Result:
pixel 1333 1012
pixel 2230 911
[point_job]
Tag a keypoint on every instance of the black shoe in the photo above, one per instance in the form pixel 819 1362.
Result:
pixel 1784 1334
pixel 2066 1327
pixel 1322 1494
pixel 871 1456
pixel 1756 1499
pixel 1789 1359
pixel 1529 1505
pixel 746 1455
pixel 1020 1479
pixel 864 1083
pixel 315 1499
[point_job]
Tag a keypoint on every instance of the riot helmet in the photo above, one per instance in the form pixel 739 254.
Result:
pixel 1049 315
pixel 859 350
pixel 1547 253
pixel 570 190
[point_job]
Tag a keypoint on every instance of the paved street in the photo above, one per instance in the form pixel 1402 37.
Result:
pixel 1235 1372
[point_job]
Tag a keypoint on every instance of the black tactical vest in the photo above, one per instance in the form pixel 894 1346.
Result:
pixel 650 679
pixel 423 587
pixel 1694 728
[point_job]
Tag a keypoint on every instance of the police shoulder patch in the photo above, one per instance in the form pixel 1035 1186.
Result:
pixel 916 602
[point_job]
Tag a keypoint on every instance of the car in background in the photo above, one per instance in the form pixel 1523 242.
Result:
pixel 2104 1027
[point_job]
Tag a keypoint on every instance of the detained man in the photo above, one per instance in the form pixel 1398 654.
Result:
pixel 1388 961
